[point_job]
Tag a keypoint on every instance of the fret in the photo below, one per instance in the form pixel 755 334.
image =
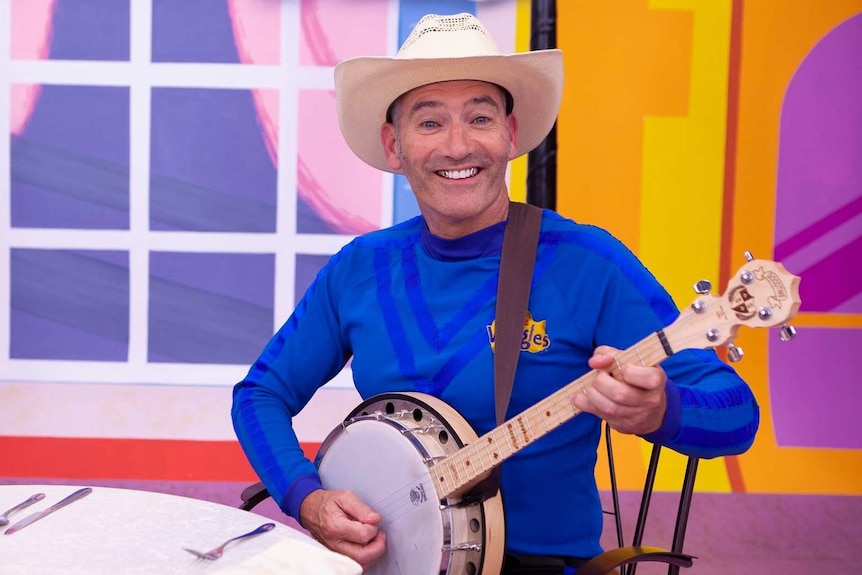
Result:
pixel 495 455
pixel 640 358
pixel 482 462
pixel 478 452
pixel 522 424
pixel 511 439
pixel 500 446
pixel 454 470
pixel 470 464
pixel 542 417
pixel 443 470
pixel 556 411
pixel 462 469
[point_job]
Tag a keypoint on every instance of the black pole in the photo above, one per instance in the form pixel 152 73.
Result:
pixel 542 162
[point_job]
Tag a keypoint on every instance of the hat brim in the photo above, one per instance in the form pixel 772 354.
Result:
pixel 365 87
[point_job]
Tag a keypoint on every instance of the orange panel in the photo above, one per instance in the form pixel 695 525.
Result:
pixel 623 62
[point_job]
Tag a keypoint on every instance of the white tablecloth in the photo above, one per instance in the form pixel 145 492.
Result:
pixel 122 531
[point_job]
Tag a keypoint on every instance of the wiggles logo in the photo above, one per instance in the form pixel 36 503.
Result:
pixel 534 338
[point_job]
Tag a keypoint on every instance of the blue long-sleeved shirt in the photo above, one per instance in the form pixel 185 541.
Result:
pixel 414 312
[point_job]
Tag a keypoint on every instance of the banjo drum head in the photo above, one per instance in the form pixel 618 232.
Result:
pixel 382 465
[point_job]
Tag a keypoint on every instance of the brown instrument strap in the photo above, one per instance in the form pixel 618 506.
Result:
pixel 520 242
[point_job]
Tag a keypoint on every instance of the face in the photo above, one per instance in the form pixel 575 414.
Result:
pixel 453 141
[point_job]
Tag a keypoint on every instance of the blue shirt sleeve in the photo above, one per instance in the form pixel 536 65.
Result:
pixel 305 353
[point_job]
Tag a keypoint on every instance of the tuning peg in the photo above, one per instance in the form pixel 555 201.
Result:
pixel 702 287
pixel 748 256
pixel 787 332
pixel 734 353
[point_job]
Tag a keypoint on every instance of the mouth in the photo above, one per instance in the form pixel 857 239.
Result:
pixel 458 174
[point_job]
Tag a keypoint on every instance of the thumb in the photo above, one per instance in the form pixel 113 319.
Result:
pixel 355 508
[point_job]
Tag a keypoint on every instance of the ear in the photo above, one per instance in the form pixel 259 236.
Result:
pixel 512 123
pixel 387 138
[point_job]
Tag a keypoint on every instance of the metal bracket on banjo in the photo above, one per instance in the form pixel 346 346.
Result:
pixel 462 547
pixel 424 429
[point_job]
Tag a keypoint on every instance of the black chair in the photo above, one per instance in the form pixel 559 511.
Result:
pixel 253 495
pixel 625 558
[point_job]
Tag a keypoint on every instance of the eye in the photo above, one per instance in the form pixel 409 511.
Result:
pixel 482 120
pixel 428 124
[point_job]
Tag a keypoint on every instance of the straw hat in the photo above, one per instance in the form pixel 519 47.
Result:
pixel 439 49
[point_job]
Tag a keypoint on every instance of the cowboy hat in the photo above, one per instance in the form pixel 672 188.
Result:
pixel 439 49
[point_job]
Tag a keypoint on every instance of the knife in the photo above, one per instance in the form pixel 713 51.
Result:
pixel 60 504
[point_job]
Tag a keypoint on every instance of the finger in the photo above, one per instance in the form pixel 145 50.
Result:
pixel 589 398
pixel 366 554
pixel 358 532
pixel 609 398
pixel 643 378
pixel 606 350
pixel 601 360
pixel 602 397
pixel 353 507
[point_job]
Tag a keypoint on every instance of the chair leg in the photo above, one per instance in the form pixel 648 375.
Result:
pixel 618 522
pixel 646 498
pixel 684 509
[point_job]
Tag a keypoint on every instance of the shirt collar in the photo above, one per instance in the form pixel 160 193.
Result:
pixel 485 242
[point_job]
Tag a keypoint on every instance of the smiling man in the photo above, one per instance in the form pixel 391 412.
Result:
pixel 414 307
pixel 453 141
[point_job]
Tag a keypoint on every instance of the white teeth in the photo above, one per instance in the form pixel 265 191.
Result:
pixel 459 174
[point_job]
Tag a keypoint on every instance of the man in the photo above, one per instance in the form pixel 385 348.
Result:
pixel 413 305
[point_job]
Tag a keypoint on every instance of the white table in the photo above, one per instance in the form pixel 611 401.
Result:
pixel 123 531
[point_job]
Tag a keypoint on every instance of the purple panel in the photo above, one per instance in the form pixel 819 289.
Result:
pixel 308 222
pixel 820 173
pixel 70 166
pixel 192 31
pixel 815 395
pixel 69 304
pixel 210 308
pixel 307 267
pixel 90 30
pixel 209 166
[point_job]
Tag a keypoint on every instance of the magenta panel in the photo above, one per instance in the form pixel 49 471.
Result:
pixel 814 388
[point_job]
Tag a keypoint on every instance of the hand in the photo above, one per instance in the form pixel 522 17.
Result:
pixel 635 403
pixel 343 523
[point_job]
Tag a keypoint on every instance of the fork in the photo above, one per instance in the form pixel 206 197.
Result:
pixel 4 518
pixel 214 554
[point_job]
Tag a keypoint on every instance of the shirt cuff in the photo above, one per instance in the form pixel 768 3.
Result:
pixel 298 491
pixel 672 422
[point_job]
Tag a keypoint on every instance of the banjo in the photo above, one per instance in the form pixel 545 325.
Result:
pixel 415 460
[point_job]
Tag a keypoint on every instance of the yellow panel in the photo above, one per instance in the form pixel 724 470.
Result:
pixel 683 175
pixel 683 186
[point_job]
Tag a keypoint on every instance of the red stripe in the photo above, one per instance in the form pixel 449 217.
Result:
pixel 734 471
pixel 142 459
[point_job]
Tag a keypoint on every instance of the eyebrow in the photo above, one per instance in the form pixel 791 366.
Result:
pixel 423 104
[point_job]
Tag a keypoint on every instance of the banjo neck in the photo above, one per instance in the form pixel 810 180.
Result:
pixel 460 471
pixel 761 294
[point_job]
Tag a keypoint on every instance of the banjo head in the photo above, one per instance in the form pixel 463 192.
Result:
pixel 383 452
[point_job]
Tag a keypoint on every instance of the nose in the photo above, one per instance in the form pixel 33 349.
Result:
pixel 459 143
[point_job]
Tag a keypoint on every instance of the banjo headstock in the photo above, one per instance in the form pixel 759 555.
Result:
pixel 761 293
